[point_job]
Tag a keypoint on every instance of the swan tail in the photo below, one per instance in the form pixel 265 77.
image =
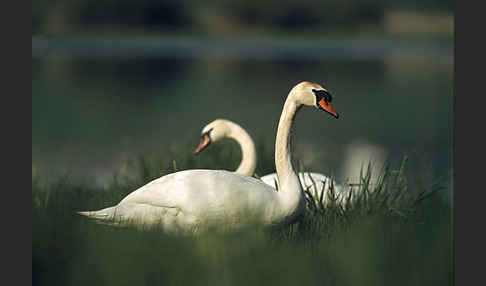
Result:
pixel 101 215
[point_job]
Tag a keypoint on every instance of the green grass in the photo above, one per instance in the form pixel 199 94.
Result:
pixel 388 235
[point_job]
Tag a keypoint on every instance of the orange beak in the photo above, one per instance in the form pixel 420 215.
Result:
pixel 205 141
pixel 327 107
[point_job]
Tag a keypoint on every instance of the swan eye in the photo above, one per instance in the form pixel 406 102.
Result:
pixel 322 94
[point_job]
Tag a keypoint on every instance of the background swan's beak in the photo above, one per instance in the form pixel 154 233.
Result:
pixel 205 141
pixel 327 107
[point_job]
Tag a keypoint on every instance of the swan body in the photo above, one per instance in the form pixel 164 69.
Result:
pixel 317 184
pixel 185 199
pixel 190 199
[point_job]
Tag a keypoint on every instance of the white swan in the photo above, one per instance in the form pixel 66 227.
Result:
pixel 190 199
pixel 317 184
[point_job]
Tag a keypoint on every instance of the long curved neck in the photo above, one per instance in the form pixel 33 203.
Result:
pixel 248 152
pixel 290 188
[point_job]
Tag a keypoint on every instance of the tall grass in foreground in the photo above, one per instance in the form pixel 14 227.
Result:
pixel 386 235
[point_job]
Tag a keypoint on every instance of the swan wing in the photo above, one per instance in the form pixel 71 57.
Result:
pixel 209 192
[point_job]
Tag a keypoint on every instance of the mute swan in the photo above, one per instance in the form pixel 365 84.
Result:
pixel 187 200
pixel 317 184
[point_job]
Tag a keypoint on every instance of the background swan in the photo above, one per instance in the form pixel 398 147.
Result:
pixel 190 199
pixel 317 184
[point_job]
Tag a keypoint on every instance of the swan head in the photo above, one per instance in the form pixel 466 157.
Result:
pixel 212 132
pixel 312 94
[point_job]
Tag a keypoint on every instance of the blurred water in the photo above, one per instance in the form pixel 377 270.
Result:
pixel 94 106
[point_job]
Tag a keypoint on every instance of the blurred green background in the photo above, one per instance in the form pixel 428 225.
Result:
pixel 115 79
pixel 112 80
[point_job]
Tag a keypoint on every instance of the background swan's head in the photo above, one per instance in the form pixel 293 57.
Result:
pixel 213 132
pixel 312 94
